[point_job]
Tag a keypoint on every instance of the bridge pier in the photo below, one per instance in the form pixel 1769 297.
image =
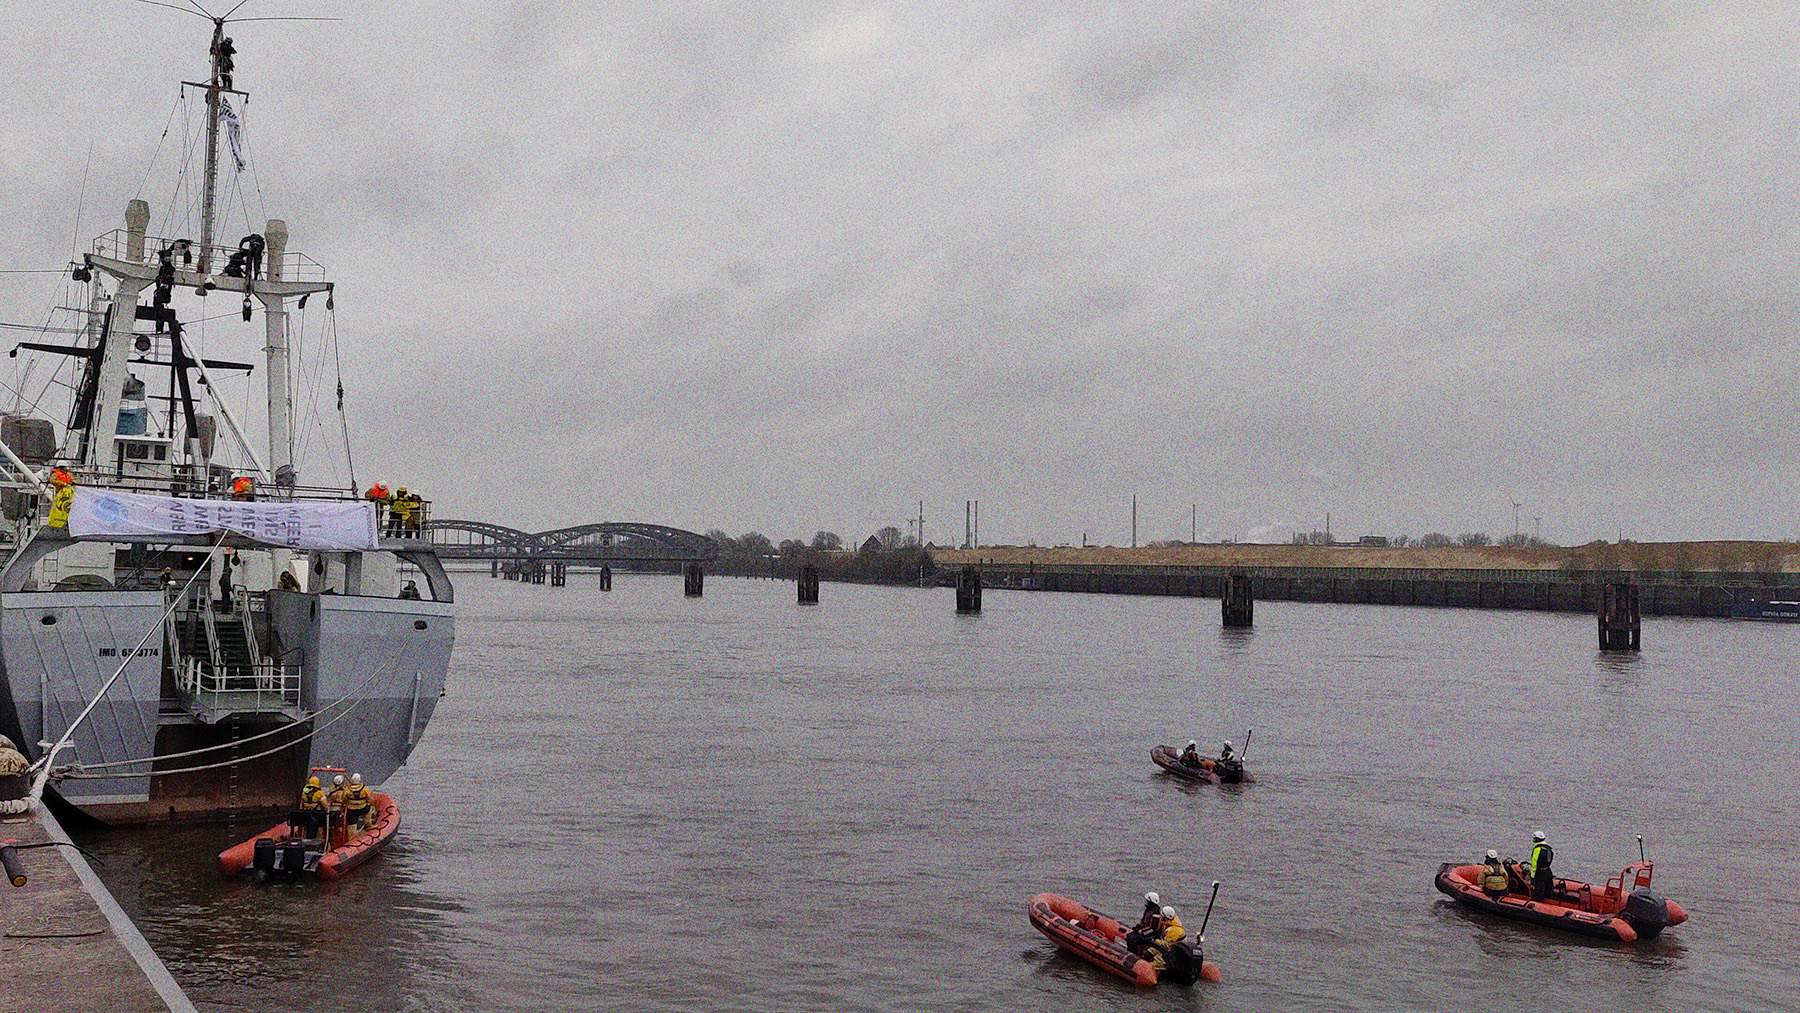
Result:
pixel 809 585
pixel 606 578
pixel 1237 606
pixel 968 591
pixel 694 583
pixel 1620 620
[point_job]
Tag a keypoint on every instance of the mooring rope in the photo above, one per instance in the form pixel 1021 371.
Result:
pixel 108 765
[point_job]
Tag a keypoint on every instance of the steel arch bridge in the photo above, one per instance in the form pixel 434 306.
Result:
pixel 609 542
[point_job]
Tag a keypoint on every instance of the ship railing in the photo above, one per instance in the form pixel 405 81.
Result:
pixel 277 687
pixel 188 481
pixel 295 266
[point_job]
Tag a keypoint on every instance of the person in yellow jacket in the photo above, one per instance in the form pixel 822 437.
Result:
pixel 1543 881
pixel 357 803
pixel 399 512
pixel 1495 880
pixel 1170 932
pixel 61 499
pixel 312 796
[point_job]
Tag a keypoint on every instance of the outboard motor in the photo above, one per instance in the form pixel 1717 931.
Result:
pixel 1183 960
pixel 1230 771
pixel 264 858
pixel 1646 912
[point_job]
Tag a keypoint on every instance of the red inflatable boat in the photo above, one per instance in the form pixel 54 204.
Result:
pixel 1100 940
pixel 1610 913
pixel 1168 759
pixel 293 849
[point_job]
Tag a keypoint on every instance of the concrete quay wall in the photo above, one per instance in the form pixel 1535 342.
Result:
pixel 1527 590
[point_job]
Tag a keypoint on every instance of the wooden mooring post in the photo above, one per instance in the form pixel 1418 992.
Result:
pixel 493 568
pixel 968 591
pixel 809 585
pixel 1237 605
pixel 694 583
pixel 606 578
pixel 1620 621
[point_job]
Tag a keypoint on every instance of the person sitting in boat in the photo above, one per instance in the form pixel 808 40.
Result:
pixel 1190 757
pixel 1149 926
pixel 357 802
pixel 1225 754
pixel 1168 933
pixel 1543 882
pixel 1495 880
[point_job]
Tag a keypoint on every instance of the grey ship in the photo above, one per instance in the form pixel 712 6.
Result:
pixel 207 625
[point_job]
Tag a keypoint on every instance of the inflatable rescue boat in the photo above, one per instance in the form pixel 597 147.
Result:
pixel 1100 940
pixel 1613 912
pixel 300 846
pixel 1209 770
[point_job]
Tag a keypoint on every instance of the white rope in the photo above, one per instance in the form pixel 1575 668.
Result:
pixel 81 772
pixel 238 742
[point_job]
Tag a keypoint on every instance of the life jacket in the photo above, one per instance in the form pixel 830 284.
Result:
pixel 1542 854
pixel 357 797
pixel 339 796
pixel 1494 878
pixel 377 492
pixel 242 485
pixel 312 797
pixel 59 476
pixel 1173 932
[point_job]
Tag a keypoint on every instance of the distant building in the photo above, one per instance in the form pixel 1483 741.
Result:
pixel 1378 541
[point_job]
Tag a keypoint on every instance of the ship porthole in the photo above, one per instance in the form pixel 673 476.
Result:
pixel 419 624
pixel 48 620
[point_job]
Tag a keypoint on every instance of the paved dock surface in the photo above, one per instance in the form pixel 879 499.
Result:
pixel 64 943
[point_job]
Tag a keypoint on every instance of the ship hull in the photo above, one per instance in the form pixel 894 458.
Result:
pixel 370 671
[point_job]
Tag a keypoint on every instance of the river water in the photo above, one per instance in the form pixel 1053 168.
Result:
pixel 639 801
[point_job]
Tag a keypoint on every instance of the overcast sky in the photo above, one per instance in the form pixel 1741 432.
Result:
pixel 799 266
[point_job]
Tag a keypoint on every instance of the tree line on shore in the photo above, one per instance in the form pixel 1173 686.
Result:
pixel 885 557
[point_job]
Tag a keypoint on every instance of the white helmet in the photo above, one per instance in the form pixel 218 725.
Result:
pixel 355 778
pixel 1492 853
pixel 1192 744
pixel 1168 912
pixel 1152 898
pixel 1537 835
pixel 1227 743
pixel 338 779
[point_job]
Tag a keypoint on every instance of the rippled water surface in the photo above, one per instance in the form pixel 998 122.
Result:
pixel 636 800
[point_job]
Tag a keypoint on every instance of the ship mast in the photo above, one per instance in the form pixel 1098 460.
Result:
pixel 209 182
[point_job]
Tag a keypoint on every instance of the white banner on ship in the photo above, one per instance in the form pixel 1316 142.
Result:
pixel 345 526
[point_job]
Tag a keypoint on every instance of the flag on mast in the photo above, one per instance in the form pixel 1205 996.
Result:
pixel 234 131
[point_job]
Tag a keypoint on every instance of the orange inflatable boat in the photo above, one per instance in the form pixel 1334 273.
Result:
pixel 294 848
pixel 1099 939
pixel 1609 913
